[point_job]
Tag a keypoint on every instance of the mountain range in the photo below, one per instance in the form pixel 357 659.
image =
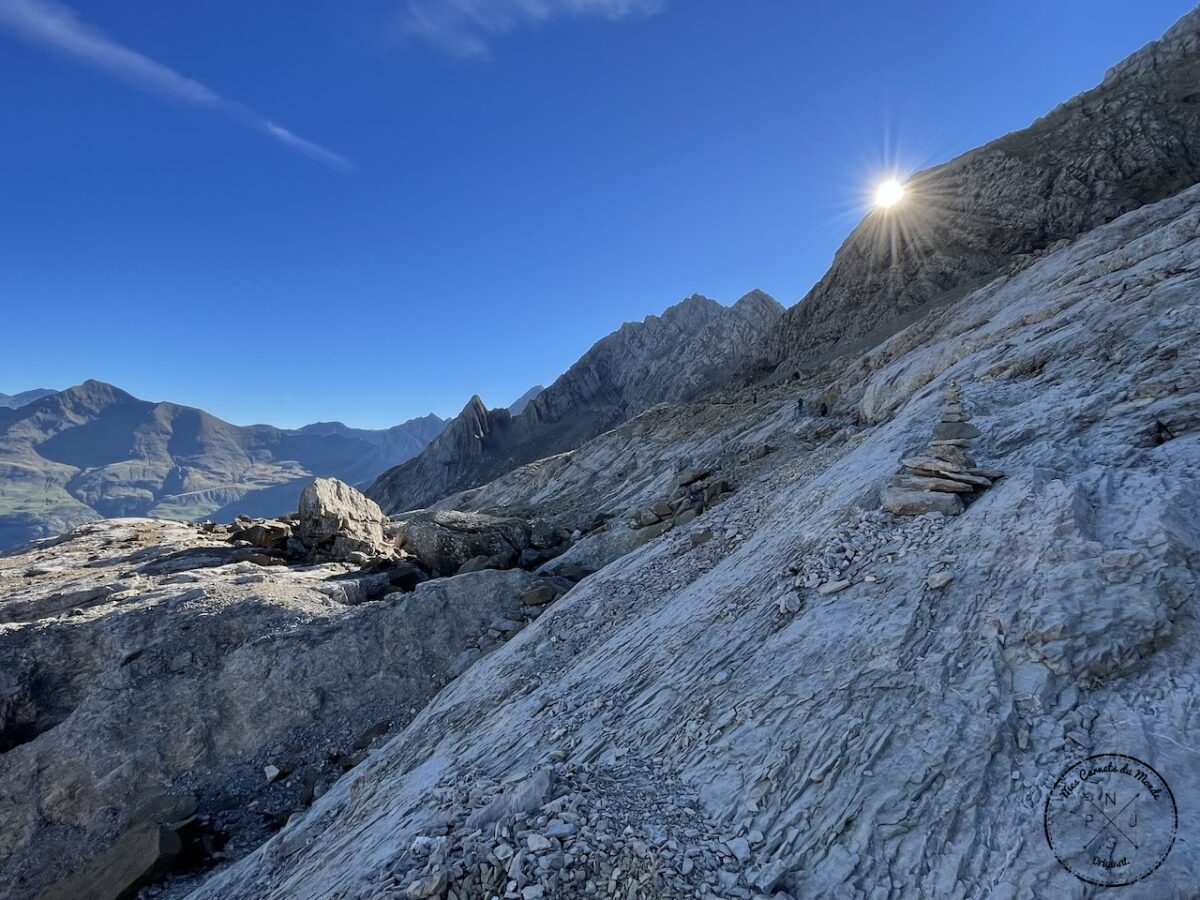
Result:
pixel 741 671
pixel 14 401
pixel 94 451
pixel 693 347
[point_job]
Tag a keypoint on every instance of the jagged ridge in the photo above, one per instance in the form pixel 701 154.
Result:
pixel 692 348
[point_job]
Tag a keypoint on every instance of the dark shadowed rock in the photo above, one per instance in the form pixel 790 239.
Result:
pixel 140 856
pixel 1132 140
pixel 444 541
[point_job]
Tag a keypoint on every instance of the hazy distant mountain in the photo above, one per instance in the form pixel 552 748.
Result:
pixel 94 451
pixel 399 442
pixel 15 401
pixel 518 406
pixel 691 348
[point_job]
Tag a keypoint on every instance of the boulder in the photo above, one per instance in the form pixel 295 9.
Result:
pixel 269 534
pixel 481 562
pixel 690 476
pixel 336 521
pixel 140 856
pixel 443 541
pixel 544 591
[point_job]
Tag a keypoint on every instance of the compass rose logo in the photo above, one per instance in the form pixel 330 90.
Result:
pixel 1111 819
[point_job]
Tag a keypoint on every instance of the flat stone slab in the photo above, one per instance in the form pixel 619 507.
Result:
pixel 907 502
pixel 932 483
pixel 955 431
pixel 927 465
pixel 140 856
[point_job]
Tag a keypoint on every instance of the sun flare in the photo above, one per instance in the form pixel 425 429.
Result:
pixel 888 194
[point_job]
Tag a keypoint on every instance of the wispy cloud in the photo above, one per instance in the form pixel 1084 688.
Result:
pixel 48 24
pixel 466 27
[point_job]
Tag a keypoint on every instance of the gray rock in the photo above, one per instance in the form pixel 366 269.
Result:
pixel 946 431
pixel 939 580
pixel 690 349
pixel 907 502
pixel 444 540
pixel 139 857
pixel 336 520
pixel 932 483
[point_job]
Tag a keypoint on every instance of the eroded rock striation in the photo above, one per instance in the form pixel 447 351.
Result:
pixel 815 734
pixel 143 661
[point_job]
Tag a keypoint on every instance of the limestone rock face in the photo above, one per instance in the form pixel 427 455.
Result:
pixel 1132 140
pixel 337 521
pixel 693 347
pixel 193 673
pixel 790 694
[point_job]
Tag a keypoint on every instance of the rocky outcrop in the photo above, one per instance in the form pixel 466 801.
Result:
pixel 690 349
pixel 1132 140
pixel 693 491
pixel 794 694
pixel 141 663
pixel 336 522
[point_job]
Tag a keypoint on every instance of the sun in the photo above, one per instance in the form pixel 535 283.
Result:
pixel 888 194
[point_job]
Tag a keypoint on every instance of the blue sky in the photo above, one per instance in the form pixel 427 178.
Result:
pixel 368 211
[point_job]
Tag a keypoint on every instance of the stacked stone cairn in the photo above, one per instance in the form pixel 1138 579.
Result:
pixel 944 476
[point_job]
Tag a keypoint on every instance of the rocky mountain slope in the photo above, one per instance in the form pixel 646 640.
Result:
pixel 1130 141
pixel 15 401
pixel 93 451
pixel 797 694
pixel 690 349
pixel 738 675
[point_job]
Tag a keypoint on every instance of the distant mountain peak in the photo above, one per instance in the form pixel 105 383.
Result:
pixel 518 406
pixel 23 398
pixel 94 450
pixel 694 346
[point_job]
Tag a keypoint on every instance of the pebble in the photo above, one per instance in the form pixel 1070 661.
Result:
pixel 939 580
pixel 832 587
